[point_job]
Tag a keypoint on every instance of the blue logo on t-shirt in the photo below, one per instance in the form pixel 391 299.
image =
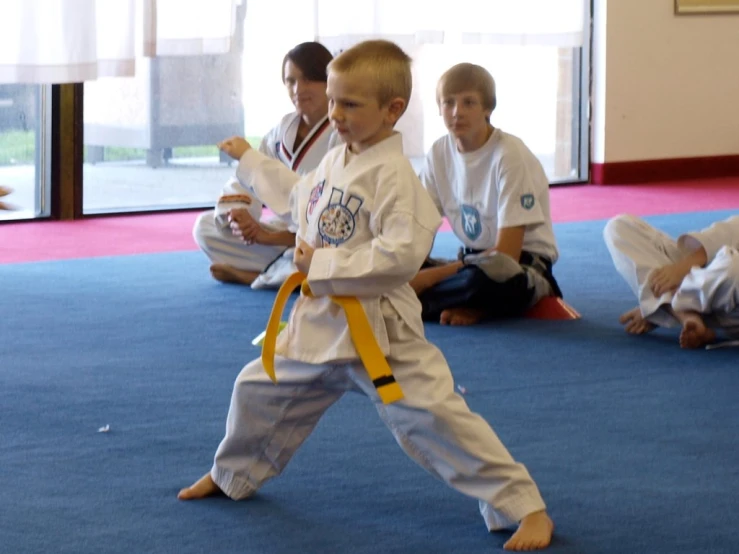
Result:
pixel 471 224
pixel 527 201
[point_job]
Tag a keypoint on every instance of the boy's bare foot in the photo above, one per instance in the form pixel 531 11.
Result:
pixel 461 316
pixel 202 488
pixel 229 274
pixel 533 533
pixel 695 334
pixel 635 323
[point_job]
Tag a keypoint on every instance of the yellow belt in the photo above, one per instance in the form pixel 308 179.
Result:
pixel 359 328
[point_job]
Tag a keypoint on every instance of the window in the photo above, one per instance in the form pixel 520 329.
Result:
pixel 24 150
pixel 541 88
pixel 150 138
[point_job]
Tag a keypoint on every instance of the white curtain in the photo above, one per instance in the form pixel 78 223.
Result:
pixel 339 23
pixel 189 27
pixel 67 41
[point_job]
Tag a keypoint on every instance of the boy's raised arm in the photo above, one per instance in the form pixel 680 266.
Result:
pixel 267 178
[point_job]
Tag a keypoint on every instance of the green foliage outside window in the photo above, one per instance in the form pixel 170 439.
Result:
pixel 19 148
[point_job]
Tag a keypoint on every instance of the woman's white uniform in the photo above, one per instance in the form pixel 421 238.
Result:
pixel 637 248
pixel 211 230
pixel 372 225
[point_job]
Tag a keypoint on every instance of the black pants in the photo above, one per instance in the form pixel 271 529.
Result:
pixel 470 287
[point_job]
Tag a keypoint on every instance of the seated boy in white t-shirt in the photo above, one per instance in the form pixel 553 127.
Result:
pixel 495 194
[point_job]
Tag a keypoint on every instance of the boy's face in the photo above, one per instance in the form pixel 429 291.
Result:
pixel 308 97
pixel 464 115
pixel 355 112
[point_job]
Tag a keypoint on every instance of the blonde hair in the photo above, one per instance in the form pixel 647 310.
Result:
pixel 383 63
pixel 465 77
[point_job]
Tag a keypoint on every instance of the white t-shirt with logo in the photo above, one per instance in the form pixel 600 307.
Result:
pixel 502 184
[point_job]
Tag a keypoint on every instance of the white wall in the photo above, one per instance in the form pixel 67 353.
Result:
pixel 664 86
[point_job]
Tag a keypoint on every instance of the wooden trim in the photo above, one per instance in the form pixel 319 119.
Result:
pixel 690 7
pixel 673 169
pixel 67 151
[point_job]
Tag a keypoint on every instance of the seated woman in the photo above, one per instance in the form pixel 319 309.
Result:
pixel 495 194
pixel 242 247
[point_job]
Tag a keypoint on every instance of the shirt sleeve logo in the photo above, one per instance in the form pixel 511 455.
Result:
pixel 527 201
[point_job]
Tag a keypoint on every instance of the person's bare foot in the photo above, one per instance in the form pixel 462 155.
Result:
pixel 694 333
pixel 533 533
pixel 229 274
pixel 634 323
pixel 202 488
pixel 4 191
pixel 461 316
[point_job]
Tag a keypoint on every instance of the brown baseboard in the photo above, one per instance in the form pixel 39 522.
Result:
pixel 674 169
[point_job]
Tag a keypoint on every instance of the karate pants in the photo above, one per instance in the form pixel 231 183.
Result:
pixel 637 248
pixel 268 422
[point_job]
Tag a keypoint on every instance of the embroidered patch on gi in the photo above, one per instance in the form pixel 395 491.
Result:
pixel 471 224
pixel 336 224
pixel 527 201
pixel 315 196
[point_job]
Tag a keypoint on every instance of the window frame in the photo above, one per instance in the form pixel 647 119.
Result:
pixel 60 145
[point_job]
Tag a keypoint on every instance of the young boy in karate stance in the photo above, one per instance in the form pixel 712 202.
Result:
pixel 365 226
pixel 692 282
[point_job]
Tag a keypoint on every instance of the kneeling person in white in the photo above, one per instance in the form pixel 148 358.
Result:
pixel 495 194
pixel 365 225
pixel 691 282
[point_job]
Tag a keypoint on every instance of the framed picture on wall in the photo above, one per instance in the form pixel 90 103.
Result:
pixel 686 7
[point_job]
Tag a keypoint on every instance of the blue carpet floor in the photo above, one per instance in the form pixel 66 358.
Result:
pixel 633 442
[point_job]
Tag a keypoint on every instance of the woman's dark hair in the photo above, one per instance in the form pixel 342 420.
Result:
pixel 311 58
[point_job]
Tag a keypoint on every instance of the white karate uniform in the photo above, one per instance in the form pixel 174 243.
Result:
pixel 373 226
pixel 212 231
pixel 637 249
pixel 501 184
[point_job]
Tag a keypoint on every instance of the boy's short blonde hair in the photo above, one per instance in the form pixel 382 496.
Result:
pixel 465 77
pixel 383 63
